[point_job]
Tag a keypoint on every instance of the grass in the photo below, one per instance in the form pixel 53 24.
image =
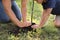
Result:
pixel 47 33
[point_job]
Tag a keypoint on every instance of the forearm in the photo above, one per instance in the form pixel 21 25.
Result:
pixel 45 16
pixel 44 19
pixel 24 9
pixel 10 13
pixel 13 17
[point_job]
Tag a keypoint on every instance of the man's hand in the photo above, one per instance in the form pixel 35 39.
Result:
pixel 35 26
pixel 25 24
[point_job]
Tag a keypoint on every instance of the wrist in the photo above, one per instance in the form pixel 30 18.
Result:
pixel 20 24
pixel 40 25
pixel 24 20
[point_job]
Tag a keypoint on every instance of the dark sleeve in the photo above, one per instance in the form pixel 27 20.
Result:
pixel 49 4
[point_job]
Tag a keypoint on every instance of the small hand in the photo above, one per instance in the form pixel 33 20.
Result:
pixel 35 26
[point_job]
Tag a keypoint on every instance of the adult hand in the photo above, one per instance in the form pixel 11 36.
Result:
pixel 25 24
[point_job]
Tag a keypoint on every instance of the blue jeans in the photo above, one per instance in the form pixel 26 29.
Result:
pixel 4 17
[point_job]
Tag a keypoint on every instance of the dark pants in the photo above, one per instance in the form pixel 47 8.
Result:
pixel 56 9
pixel 4 17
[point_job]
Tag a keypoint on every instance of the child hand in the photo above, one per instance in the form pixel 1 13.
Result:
pixel 35 26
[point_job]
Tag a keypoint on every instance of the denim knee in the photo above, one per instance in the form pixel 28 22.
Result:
pixel 6 20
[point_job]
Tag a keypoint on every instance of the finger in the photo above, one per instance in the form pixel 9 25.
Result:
pixel 33 27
